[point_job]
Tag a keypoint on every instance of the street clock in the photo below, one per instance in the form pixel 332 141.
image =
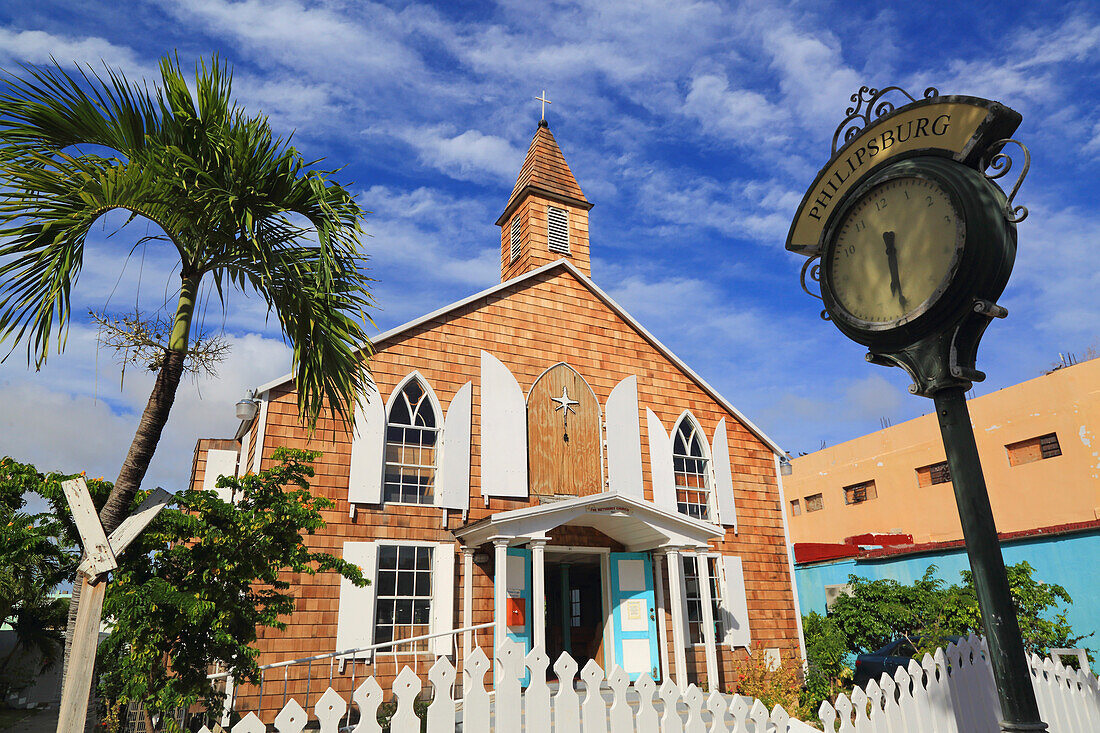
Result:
pixel 911 242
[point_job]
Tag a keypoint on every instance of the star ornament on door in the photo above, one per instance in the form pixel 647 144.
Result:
pixel 566 406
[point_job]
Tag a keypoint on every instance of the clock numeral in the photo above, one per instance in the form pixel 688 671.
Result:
pixel 880 204
pixel 947 218
pixel 906 195
pixel 850 249
pixel 861 225
pixel 929 200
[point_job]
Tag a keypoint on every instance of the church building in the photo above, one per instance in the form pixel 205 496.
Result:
pixel 532 464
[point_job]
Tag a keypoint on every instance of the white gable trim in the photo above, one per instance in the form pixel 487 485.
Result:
pixel 608 301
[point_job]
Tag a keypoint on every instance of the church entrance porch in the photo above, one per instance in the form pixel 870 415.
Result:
pixel 536 581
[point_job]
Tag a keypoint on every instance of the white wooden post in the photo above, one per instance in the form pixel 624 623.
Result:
pixel 467 607
pixel 500 594
pixel 675 571
pixel 702 569
pixel 538 600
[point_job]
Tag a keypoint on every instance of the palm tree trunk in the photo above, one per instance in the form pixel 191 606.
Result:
pixel 145 441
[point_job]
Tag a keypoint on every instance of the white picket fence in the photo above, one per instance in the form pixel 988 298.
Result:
pixel 954 692
pixel 511 708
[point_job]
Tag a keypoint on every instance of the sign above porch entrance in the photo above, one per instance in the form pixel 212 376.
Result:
pixel 563 434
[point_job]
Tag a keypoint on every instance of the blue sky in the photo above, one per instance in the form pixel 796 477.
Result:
pixel 694 127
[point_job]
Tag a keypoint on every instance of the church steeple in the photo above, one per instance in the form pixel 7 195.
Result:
pixel 546 218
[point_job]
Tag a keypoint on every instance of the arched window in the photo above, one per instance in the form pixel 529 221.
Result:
pixel 689 459
pixel 412 434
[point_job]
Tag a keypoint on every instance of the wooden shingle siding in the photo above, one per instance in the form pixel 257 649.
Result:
pixel 524 327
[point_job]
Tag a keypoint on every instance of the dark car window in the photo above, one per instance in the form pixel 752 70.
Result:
pixel 904 649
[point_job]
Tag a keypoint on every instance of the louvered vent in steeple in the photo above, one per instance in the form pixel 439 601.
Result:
pixel 557 230
pixel 516 227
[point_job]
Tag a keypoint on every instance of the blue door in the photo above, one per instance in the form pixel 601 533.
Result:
pixel 634 614
pixel 517 601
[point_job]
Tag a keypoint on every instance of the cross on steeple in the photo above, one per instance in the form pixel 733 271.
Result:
pixel 545 102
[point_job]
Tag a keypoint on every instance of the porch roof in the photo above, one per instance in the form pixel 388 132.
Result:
pixel 636 523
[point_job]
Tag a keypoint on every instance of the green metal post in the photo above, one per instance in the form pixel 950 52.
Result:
pixel 1019 710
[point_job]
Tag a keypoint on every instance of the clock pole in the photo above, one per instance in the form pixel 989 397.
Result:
pixel 1002 629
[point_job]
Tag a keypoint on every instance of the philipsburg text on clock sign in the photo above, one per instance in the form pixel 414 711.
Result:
pixel 946 126
pixel 881 143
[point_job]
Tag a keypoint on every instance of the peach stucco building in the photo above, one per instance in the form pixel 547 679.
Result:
pixel 1040 447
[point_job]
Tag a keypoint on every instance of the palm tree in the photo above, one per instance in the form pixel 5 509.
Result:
pixel 241 207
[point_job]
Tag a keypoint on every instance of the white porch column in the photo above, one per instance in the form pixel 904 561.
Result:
pixel 703 573
pixel 500 592
pixel 538 592
pixel 662 608
pixel 675 596
pixel 467 605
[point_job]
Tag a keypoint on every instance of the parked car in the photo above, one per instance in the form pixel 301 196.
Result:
pixel 887 659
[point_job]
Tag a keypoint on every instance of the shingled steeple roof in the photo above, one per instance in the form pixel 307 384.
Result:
pixel 545 173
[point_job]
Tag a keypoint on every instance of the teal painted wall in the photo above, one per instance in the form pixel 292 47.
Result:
pixel 1072 561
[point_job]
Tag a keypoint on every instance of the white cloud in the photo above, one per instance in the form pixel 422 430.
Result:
pixel 743 116
pixel 38 47
pixel 64 418
pixel 468 155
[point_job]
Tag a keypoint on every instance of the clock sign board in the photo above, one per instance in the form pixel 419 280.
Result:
pixel 910 240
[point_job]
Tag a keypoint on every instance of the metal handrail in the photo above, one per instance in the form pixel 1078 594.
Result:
pixel 371 648
pixel 230 701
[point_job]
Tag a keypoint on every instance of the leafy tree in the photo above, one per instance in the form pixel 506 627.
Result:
pixel 826 654
pixel 240 206
pixel 879 611
pixel 204 578
pixel 34 559
pixel 1041 609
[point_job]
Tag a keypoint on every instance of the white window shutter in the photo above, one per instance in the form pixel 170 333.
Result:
pixel 443 596
pixel 660 463
pixel 368 443
pixel 723 477
pixel 219 463
pixel 452 489
pixel 624 440
pixel 735 605
pixel 355 617
pixel 261 424
pixel 503 431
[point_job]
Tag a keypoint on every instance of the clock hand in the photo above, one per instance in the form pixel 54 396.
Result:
pixel 892 259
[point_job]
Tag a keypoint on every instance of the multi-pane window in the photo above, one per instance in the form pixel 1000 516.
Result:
pixel 859 493
pixel 411 438
pixel 815 503
pixel 1034 449
pixel 403 608
pixel 515 238
pixel 575 607
pixel 796 508
pixel 692 472
pixel 694 596
pixel 557 230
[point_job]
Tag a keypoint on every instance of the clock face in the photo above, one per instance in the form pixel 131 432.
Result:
pixel 893 250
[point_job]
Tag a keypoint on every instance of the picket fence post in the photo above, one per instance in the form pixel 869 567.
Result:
pixel 536 700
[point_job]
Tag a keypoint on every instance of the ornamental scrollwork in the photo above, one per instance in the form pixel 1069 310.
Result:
pixel 996 163
pixel 869 105
pixel 812 269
